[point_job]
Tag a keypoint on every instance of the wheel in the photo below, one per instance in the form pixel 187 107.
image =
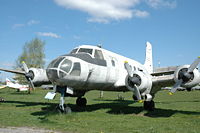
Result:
pixel 135 98
pixel 149 105
pixel 81 102
pixel 188 89
pixel 67 110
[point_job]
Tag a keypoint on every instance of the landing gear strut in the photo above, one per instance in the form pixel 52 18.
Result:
pixel 81 102
pixel 62 108
pixel 149 105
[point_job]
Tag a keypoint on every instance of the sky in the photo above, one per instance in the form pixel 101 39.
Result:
pixel 121 26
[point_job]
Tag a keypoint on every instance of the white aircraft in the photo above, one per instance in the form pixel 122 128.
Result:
pixel 88 68
pixel 17 86
pixel 2 86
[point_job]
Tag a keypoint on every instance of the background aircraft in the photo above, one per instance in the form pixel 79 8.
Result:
pixel 16 85
pixel 2 86
pixel 89 67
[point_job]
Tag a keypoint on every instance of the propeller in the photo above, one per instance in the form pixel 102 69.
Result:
pixel 134 80
pixel 185 75
pixel 28 74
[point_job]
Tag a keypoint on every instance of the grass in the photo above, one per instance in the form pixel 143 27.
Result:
pixel 179 113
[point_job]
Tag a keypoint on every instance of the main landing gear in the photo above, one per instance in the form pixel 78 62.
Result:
pixel 62 107
pixel 149 105
pixel 81 102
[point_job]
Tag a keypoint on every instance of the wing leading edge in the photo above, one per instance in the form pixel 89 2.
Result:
pixel 13 71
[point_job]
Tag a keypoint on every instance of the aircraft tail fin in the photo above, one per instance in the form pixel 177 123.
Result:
pixel 8 82
pixel 149 61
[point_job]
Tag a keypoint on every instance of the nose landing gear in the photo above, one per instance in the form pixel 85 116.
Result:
pixel 81 102
pixel 62 108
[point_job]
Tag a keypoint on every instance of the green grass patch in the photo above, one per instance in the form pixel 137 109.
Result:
pixel 179 113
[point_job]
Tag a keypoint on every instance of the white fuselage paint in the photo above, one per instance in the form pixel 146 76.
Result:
pixel 96 77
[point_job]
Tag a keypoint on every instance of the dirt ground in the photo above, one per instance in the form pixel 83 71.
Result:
pixel 25 130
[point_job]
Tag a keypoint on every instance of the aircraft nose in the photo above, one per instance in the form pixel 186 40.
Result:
pixel 62 67
pixel 52 74
pixel 52 69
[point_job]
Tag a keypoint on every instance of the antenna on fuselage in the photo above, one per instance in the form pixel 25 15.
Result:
pixel 99 45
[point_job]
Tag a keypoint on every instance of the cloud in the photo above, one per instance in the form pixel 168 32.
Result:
pixel 76 37
pixel 104 11
pixel 15 26
pixel 32 22
pixel 29 23
pixel 48 34
pixel 161 3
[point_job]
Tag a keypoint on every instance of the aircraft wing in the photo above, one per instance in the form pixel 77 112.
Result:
pixel 161 81
pixel 3 86
pixel 164 71
pixel 13 71
pixel 162 77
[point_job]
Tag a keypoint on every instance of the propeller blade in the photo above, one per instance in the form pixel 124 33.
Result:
pixel 194 65
pixel 25 67
pixel 130 74
pixel 137 93
pixel 178 84
pixel 31 84
pixel 128 68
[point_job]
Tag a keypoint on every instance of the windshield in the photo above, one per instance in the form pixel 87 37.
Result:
pixel 56 62
pixel 85 50
pixel 74 51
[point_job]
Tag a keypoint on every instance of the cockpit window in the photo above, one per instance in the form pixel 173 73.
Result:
pixel 74 51
pixel 98 54
pixel 85 50
pixel 76 71
pixel 55 63
pixel 66 65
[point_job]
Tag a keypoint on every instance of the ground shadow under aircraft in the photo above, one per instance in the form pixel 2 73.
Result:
pixel 114 107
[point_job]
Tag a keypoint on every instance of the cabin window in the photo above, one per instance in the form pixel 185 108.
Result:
pixel 140 70
pixel 74 51
pixel 134 68
pixel 76 71
pixel 98 54
pixel 113 63
pixel 85 50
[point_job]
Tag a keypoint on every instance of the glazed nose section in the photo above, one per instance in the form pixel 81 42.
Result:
pixel 59 68
pixel 52 69
pixel 52 74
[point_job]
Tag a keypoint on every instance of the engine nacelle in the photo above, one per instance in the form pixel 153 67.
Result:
pixel 38 76
pixel 188 81
pixel 144 82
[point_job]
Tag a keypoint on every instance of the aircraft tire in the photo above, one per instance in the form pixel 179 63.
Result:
pixel 188 89
pixel 81 102
pixel 149 105
pixel 135 98
pixel 67 110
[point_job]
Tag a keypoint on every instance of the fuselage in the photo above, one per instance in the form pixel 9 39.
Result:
pixel 91 68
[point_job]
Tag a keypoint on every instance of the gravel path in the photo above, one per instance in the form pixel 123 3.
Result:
pixel 25 130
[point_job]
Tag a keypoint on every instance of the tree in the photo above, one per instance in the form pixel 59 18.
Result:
pixel 33 55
